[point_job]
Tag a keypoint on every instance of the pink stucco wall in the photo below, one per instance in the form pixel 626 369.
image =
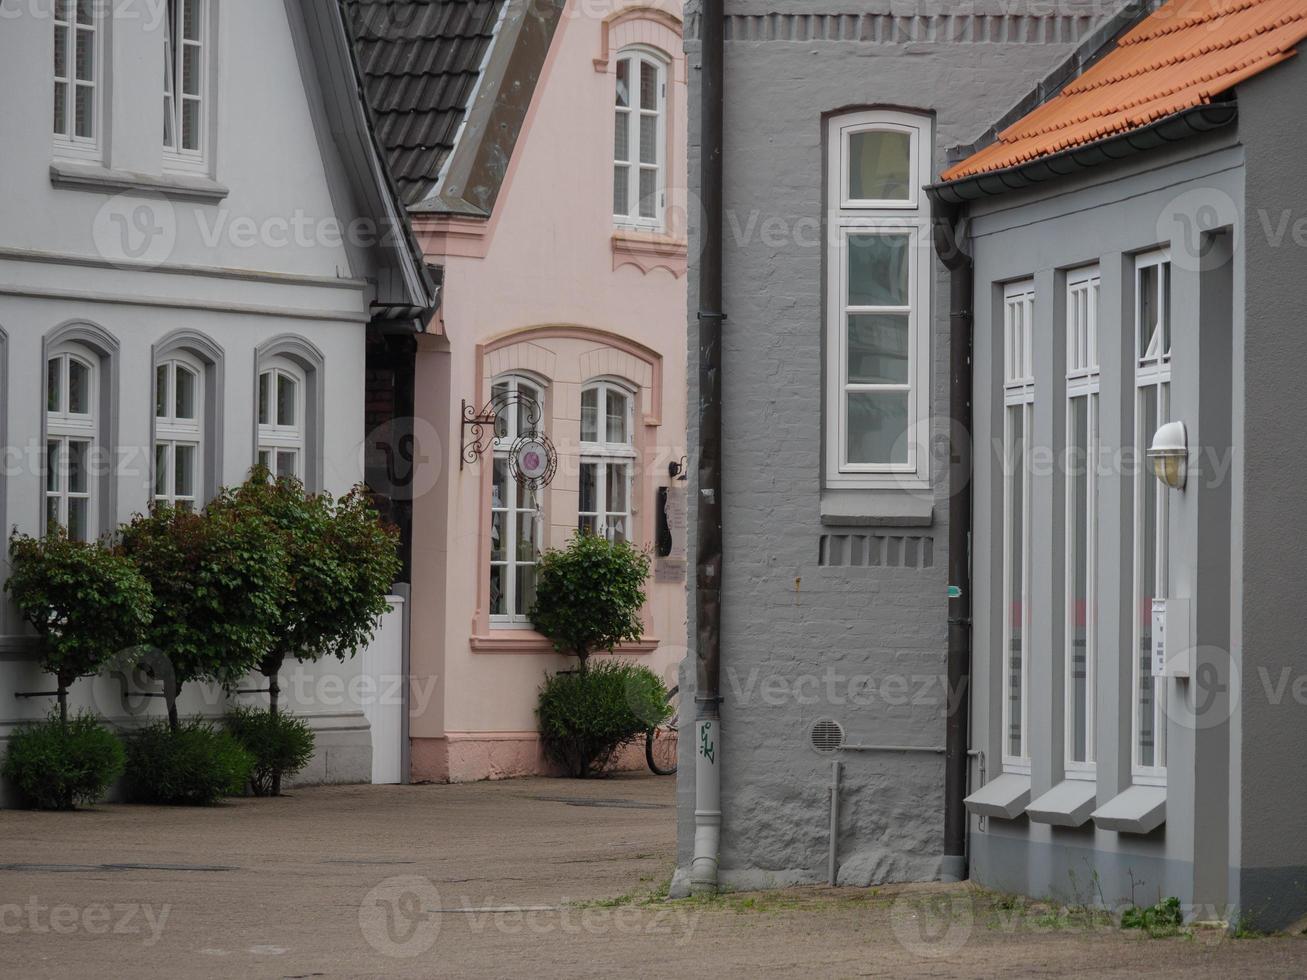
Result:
pixel 551 287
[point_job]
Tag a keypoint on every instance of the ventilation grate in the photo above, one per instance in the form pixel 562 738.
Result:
pixel 827 735
pixel 876 551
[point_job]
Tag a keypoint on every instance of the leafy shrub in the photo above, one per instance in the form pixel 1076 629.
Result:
pixel 1158 921
pixel 86 601
pixel 589 595
pixel 587 716
pixel 195 764
pixel 57 765
pixel 281 745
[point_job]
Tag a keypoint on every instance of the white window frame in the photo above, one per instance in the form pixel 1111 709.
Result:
pixel 63 428
pixel 512 506
pixel 849 217
pixel 636 56
pixel 1018 394
pixel 276 438
pixel 175 156
pixel 172 431
pixel 1152 370
pixel 602 454
pixel 1083 288
pixel 68 144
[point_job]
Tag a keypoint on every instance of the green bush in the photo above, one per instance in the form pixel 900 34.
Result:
pixel 281 745
pixel 57 765
pixel 195 765
pixel 587 716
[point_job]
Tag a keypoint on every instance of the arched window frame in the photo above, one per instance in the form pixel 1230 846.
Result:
pixel 300 360
pixel 97 427
pixel 628 156
pixel 179 430
pixel 607 468
pixel 282 444
pixel 512 575
pixel 197 351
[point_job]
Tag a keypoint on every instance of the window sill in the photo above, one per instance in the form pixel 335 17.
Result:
pixel 1005 797
pixel 1138 810
pixel 877 508
pixel 1068 804
pixel 531 642
pixel 90 177
pixel 649 250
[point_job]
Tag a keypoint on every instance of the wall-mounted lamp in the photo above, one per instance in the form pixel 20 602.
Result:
pixel 1170 455
pixel 679 470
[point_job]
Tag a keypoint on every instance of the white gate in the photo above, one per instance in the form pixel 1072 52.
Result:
pixel 383 704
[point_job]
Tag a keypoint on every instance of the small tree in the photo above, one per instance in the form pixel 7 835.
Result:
pixel 86 601
pixel 589 595
pixel 342 560
pixel 218 579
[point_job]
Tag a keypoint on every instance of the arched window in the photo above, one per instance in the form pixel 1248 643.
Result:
pixel 640 139
pixel 607 457
pixel 179 450
pixel 514 508
pixel 72 433
pixel 282 426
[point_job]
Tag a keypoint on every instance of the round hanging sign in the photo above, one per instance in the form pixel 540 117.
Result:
pixel 534 460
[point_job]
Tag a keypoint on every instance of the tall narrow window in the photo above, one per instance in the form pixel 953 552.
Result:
pixel 1018 417
pixel 607 455
pixel 1080 636
pixel 879 304
pixel 78 48
pixel 281 404
pixel 1152 329
pixel 514 508
pixel 178 432
pixel 184 76
pixel 71 426
pixel 639 140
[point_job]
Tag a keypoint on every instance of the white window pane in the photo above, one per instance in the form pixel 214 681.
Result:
pixel 622 137
pixel 588 502
pixel 190 124
pixel 879 166
pixel 51 513
pixel 265 398
pixel 587 524
pixel 498 598
pixel 648 86
pixel 79 528
pixel 616 489
pixel 1148 312
pixel 648 139
pixel 1145 587
pixel 184 470
pixel 622 190
pixel 191 20
pixel 54 384
pixel 878 427
pixel 287 463
pixel 60 51
pixel 83 107
pixel 624 82
pixel 1078 578
pixel 878 348
pixel 265 459
pixel 61 108
pixel 878 270
pixel 286 391
pixel 161 391
pixel 79 388
pixel 648 193
pixel 526 589
pixel 499 483
pixel 78 478
pixel 1014 557
pixel 161 470
pixel 86 11
pixel 186 383
pixel 590 415
pixel 498 535
pixel 53 466
pixel 190 70
pixel 528 409
pixel 618 432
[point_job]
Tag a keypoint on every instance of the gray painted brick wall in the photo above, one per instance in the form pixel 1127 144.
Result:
pixel 789 621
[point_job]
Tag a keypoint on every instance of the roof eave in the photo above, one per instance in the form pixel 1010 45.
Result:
pixel 1169 129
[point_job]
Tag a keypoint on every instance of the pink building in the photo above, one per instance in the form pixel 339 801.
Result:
pixel 540 148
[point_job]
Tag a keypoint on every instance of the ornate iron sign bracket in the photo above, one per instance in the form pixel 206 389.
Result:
pixel 532 460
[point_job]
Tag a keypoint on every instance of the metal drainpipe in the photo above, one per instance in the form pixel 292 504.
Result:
pixel 951 247
pixel 708 572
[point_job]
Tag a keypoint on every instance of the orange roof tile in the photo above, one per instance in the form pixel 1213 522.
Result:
pixel 1182 55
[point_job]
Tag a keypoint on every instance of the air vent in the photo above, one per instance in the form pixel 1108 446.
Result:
pixel 827 735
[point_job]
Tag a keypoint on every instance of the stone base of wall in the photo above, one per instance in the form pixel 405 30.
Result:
pixel 467 757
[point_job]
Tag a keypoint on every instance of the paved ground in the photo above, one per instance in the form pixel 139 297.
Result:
pixel 530 878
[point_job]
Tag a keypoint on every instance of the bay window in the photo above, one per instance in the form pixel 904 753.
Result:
pixel 640 139
pixel 1018 420
pixel 514 506
pixel 1082 440
pixel 878 301
pixel 1152 330
pixel 71 427
pixel 607 457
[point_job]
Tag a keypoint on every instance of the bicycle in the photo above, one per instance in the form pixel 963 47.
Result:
pixel 661 740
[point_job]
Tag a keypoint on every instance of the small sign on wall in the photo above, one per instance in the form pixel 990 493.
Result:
pixel 1172 639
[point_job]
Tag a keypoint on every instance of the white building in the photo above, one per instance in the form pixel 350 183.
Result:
pixel 196 236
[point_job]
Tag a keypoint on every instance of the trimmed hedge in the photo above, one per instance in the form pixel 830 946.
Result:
pixel 60 765
pixel 196 765
pixel 281 745
pixel 587 716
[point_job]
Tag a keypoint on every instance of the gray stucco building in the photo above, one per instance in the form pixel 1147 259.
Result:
pixel 834 622
pixel 1137 684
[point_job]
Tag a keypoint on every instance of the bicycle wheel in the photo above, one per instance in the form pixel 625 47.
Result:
pixel 660 742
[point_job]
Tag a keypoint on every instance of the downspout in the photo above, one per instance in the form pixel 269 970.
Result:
pixel 708 554
pixel 950 245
